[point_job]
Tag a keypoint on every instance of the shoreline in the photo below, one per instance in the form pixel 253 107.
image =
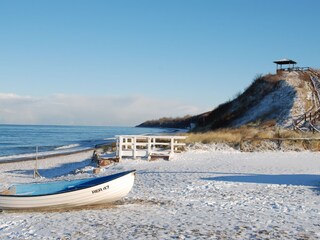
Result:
pixel 50 154
pixel 43 157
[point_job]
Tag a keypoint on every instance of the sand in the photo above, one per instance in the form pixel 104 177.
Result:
pixel 204 193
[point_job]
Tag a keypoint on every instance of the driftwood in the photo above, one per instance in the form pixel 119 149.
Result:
pixel 105 162
pixel 96 170
pixel 102 161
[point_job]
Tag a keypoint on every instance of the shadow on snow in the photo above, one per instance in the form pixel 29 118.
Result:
pixel 57 171
pixel 309 180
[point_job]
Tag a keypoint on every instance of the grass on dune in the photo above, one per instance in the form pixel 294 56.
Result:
pixel 235 135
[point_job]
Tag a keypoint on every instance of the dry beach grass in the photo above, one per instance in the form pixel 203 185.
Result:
pixel 235 136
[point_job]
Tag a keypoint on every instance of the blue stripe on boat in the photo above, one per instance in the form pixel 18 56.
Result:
pixel 49 188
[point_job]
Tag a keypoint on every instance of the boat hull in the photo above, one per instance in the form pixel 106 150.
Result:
pixel 105 192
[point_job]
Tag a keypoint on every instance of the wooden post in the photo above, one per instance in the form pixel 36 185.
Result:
pixel 149 148
pixel 153 143
pixel 172 145
pixel 279 144
pixel 36 172
pixel 134 147
pixel 120 147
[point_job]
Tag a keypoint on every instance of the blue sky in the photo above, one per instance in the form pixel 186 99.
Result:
pixel 123 62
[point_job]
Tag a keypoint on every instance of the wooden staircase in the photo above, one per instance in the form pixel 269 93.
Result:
pixel 309 121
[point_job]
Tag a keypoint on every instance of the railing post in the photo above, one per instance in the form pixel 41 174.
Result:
pixel 172 144
pixel 119 145
pixel 134 147
pixel 149 148
pixel 175 143
pixel 153 143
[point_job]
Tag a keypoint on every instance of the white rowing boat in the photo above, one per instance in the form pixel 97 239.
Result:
pixel 65 194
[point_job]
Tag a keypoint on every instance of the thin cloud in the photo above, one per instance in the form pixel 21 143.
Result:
pixel 87 110
pixel 14 98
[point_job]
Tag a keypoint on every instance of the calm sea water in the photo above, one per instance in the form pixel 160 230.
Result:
pixel 22 139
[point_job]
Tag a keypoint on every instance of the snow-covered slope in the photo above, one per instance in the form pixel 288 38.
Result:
pixel 280 98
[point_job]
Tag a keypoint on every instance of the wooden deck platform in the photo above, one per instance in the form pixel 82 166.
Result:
pixel 150 147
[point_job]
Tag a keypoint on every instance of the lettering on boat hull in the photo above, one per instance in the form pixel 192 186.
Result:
pixel 100 189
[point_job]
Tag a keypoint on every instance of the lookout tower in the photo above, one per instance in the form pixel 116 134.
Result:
pixel 287 62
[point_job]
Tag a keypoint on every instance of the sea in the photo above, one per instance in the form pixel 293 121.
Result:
pixel 23 141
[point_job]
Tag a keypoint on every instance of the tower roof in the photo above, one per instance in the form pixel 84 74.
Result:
pixel 285 61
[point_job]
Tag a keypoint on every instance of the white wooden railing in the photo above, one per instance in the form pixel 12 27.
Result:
pixel 148 146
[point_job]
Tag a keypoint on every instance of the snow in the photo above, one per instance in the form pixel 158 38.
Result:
pixel 206 192
pixel 292 98
pixel 275 105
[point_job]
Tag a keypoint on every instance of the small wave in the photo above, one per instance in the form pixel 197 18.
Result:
pixel 21 157
pixel 110 139
pixel 67 146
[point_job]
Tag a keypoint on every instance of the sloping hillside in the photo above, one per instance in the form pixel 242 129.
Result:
pixel 287 99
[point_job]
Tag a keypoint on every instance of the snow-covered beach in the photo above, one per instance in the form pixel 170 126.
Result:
pixel 202 193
